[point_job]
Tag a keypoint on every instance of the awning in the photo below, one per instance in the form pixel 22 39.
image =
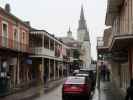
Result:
pixel 102 49
pixel 121 41
pixel 120 56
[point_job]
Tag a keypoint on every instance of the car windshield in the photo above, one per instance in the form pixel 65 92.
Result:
pixel 75 80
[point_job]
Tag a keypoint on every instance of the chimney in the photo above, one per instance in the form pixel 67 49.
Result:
pixel 7 8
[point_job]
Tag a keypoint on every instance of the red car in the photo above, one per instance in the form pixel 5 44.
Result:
pixel 75 86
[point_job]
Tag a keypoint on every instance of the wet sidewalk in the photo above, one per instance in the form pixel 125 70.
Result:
pixel 108 91
pixel 33 92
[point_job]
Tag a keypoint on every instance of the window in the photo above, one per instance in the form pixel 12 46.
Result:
pixel 4 34
pixel 4 29
pixel 15 35
pixel 23 37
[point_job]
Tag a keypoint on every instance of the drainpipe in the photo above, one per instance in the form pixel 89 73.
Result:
pixel 54 70
pixel 42 71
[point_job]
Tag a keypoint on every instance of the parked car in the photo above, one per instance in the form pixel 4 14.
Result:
pixel 75 86
pixel 83 75
pixel 75 72
pixel 92 75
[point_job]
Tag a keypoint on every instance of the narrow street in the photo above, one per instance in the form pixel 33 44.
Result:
pixel 107 92
pixel 82 49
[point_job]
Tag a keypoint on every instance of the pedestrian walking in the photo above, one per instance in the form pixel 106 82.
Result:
pixel 129 95
pixel 103 71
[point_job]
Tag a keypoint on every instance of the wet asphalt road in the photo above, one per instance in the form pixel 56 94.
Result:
pixel 107 92
pixel 53 95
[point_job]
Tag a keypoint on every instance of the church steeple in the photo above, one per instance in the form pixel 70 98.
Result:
pixel 69 33
pixel 86 36
pixel 82 13
pixel 82 22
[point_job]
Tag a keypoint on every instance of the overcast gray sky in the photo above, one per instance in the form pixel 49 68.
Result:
pixel 55 16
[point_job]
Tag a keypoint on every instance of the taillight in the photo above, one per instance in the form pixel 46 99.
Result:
pixel 65 86
pixel 85 87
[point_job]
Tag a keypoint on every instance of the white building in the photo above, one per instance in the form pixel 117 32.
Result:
pixel 84 39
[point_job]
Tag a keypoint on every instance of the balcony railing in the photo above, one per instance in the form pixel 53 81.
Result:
pixel 14 45
pixel 43 51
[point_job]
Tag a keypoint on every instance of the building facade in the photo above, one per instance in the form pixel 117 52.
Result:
pixel 119 17
pixel 14 49
pixel 74 51
pixel 50 59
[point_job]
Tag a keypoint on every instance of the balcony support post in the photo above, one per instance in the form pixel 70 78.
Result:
pixel 54 63
pixel 49 44
pixel 49 69
pixel 58 65
pixel 43 40
pixel 42 69
pixel 18 69
pixel 54 70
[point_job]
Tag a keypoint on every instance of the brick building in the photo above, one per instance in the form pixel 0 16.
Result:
pixel 14 49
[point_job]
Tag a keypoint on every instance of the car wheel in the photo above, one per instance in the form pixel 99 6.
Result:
pixel 87 98
pixel 64 98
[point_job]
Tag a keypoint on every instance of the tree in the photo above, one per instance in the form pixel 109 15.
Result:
pixel 76 53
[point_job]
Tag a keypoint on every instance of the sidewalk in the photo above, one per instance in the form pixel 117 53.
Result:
pixel 33 92
pixel 108 91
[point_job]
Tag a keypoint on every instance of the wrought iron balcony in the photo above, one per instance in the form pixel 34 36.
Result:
pixel 43 51
pixel 14 45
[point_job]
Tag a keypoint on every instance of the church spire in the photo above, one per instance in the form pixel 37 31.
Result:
pixel 86 36
pixel 82 22
pixel 82 13
pixel 69 33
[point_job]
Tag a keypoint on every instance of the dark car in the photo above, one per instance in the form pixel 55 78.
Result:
pixel 84 75
pixel 92 76
pixel 75 86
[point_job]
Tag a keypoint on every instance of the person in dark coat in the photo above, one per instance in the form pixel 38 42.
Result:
pixel 103 71
pixel 129 95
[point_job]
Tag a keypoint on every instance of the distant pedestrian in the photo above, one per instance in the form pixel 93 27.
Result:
pixel 103 71
pixel 129 95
